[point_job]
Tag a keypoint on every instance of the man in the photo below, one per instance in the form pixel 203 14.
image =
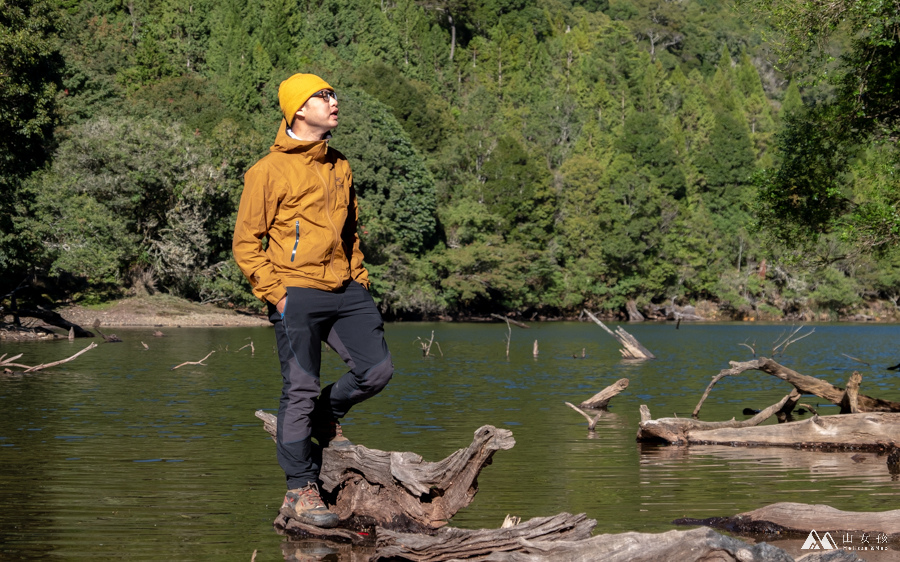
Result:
pixel 300 198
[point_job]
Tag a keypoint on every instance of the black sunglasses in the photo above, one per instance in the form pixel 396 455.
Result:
pixel 325 95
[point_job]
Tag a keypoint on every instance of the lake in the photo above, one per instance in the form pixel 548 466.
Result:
pixel 114 455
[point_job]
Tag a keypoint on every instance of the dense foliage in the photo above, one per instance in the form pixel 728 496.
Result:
pixel 534 156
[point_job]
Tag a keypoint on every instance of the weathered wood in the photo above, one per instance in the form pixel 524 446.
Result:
pixel 804 384
pixel 600 401
pixel 399 490
pixel 201 362
pixel 503 546
pixel 736 369
pixel 510 320
pixel 823 389
pixel 867 431
pixel 850 402
pixel 679 430
pixel 631 347
pixel 592 421
pixel 634 315
pixel 452 543
pixel 801 518
pixel 5 363
pixel 784 414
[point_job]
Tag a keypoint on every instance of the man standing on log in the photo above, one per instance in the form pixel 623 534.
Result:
pixel 300 198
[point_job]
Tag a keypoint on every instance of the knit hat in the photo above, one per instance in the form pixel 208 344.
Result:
pixel 293 93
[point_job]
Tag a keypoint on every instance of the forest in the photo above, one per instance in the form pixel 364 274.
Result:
pixel 523 157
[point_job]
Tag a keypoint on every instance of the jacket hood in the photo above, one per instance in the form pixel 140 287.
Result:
pixel 286 143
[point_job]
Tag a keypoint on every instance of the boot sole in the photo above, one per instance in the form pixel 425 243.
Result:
pixel 331 522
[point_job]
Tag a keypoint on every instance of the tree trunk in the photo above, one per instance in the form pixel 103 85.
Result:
pixel 875 431
pixel 512 545
pixel 800 518
pixel 804 384
pixel 634 315
pixel 398 490
pixel 631 348
pixel 54 319
pixel 600 401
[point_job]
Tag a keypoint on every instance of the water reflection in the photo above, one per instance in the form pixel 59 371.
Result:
pixel 115 455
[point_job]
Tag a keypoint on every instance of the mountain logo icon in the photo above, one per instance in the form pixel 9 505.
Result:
pixel 815 542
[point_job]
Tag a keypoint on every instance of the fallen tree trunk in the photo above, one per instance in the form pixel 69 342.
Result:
pixel 399 490
pixel 678 430
pixel 804 384
pixel 800 518
pixel 54 319
pixel 631 347
pixel 875 431
pixel 514 545
pixel 451 543
pixel 600 401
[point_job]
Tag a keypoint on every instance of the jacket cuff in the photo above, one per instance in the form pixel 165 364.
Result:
pixel 276 295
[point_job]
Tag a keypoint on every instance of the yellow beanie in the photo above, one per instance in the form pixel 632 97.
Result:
pixel 294 92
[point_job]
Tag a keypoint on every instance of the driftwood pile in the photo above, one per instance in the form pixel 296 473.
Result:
pixel 396 507
pixel 866 424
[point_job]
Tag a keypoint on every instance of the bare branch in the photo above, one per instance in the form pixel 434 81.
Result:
pixel 592 421
pixel 201 362
pixel 857 360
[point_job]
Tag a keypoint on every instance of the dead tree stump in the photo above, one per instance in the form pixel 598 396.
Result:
pixel 631 347
pixel 399 490
pixel 600 401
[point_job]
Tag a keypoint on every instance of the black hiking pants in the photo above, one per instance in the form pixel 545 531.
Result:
pixel 350 323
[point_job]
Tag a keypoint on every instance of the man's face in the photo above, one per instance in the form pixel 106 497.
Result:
pixel 320 112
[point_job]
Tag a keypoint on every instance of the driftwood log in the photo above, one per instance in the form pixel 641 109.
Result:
pixel 398 490
pixel 600 401
pixel 874 431
pixel 53 318
pixel 805 384
pixel 389 493
pixel 516 546
pixel 6 363
pixel 631 347
pixel 800 519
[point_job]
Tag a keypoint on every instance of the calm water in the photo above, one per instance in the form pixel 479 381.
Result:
pixel 116 456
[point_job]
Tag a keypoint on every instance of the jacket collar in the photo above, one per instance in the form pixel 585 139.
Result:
pixel 315 150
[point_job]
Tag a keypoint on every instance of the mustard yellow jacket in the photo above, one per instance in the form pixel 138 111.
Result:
pixel 301 197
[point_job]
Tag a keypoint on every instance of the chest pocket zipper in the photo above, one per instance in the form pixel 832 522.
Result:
pixel 296 241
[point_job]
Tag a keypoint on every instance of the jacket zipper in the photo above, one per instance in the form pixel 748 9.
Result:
pixel 328 211
pixel 296 241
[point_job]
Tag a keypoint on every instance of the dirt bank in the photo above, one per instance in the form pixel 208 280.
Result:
pixel 158 311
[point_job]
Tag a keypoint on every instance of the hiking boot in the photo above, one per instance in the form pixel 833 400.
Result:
pixel 329 434
pixel 306 506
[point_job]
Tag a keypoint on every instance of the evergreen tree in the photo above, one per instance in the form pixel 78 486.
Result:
pixel 29 80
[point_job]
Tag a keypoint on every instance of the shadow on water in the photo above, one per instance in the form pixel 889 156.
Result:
pixel 115 454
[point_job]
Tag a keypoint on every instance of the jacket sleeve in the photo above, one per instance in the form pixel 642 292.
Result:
pixel 357 270
pixel 259 203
